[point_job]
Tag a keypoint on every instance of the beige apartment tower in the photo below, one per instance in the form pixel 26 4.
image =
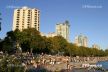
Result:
pixel 26 18
pixel 63 29
pixel 81 40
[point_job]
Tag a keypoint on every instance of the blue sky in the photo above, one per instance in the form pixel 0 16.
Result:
pixel 89 17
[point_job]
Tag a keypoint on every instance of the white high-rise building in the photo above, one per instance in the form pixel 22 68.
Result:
pixel 81 40
pixel 26 18
pixel 62 29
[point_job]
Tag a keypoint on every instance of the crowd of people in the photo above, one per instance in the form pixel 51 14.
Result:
pixel 52 62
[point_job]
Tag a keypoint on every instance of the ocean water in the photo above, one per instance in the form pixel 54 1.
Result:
pixel 104 64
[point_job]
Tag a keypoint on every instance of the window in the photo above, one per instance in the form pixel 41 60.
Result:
pixel 17 13
pixel 35 21
pixel 17 19
pixel 29 15
pixel 29 11
pixel 17 26
pixel 22 21
pixel 35 25
pixel 17 22
pixel 28 26
pixel 18 10
pixel 28 22
pixel 17 16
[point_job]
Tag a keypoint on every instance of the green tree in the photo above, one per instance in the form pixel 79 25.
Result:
pixel 32 38
pixel 59 44
pixel 7 45
pixel 10 40
pixel 72 50
pixel 106 52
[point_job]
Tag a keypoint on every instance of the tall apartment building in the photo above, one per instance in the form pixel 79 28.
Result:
pixel 62 29
pixel 81 40
pixel 26 18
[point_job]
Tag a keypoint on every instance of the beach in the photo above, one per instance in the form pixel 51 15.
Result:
pixel 74 64
pixel 52 63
